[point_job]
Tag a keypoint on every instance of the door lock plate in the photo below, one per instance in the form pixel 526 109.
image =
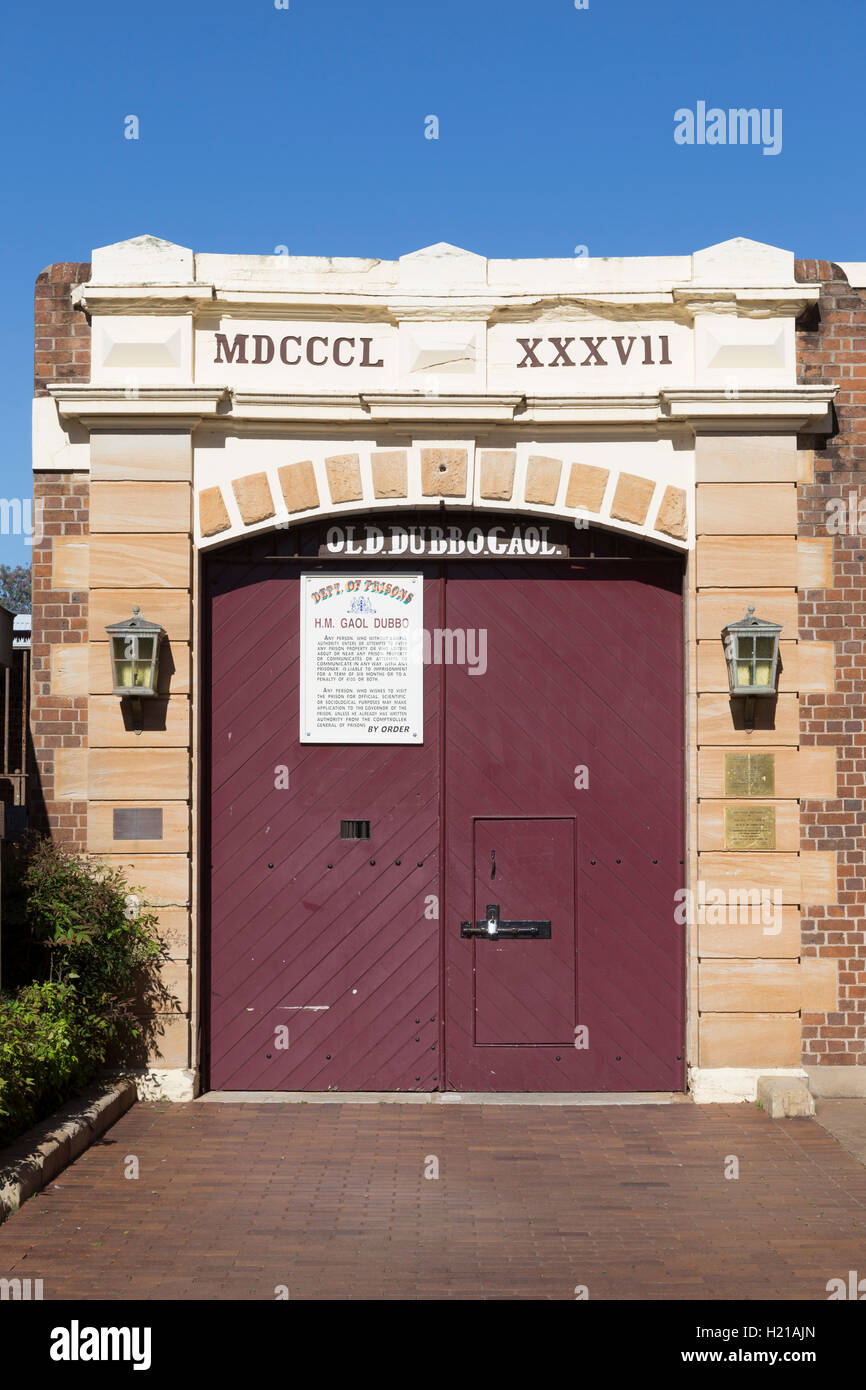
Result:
pixel 494 929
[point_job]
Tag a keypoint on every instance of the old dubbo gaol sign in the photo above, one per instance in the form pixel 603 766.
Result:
pixel 362 658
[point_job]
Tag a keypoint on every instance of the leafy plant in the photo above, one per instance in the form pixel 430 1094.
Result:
pixel 99 950
pixel 44 1053
pixel 91 925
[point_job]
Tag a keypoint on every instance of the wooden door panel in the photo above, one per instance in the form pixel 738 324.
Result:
pixel 584 670
pixel 324 968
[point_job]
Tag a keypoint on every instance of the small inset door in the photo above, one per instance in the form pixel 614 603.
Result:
pixel 523 942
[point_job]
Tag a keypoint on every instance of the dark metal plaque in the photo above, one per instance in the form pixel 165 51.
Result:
pixel 137 823
pixel 750 827
pixel 750 774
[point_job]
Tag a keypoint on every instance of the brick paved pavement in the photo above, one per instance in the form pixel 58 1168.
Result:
pixel 846 1121
pixel 332 1201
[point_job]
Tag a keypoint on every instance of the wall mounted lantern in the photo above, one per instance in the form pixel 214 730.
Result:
pixel 134 646
pixel 752 654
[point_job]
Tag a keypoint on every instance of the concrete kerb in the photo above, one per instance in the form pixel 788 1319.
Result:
pixel 34 1159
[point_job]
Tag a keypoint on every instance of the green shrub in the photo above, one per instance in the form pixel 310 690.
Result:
pixel 99 953
pixel 44 1056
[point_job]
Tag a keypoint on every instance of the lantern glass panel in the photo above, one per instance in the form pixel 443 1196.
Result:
pixel 123 662
pixel 764 660
pixel 144 662
pixel 745 658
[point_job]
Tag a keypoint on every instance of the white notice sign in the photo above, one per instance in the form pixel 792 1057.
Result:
pixel 362 668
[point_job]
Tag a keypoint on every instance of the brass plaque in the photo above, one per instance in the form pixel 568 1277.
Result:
pixel 750 774
pixel 750 827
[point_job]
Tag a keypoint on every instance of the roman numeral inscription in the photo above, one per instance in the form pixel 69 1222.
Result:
pixel 336 350
pixel 603 351
pixel 260 349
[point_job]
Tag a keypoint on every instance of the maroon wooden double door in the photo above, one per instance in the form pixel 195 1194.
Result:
pixel 549 786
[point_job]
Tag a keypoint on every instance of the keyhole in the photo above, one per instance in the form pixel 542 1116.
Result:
pixel 493 863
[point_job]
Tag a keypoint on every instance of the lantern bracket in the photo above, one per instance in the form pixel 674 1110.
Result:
pixel 134 702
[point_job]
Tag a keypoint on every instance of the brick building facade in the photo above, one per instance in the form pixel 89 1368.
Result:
pixel 832 346
pixel 60 597
pixel 229 403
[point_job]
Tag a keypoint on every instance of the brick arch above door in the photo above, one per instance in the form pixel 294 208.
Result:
pixel 293 485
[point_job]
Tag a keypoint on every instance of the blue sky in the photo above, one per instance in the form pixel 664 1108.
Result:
pixel 304 127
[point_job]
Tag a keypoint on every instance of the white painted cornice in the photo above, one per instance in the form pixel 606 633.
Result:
pixel 175 405
pixel 794 408
pixel 141 299
pixel 443 307
pixel 773 302
pixel 404 405
pixel 294 302
pixel 300 304
pixel 797 407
